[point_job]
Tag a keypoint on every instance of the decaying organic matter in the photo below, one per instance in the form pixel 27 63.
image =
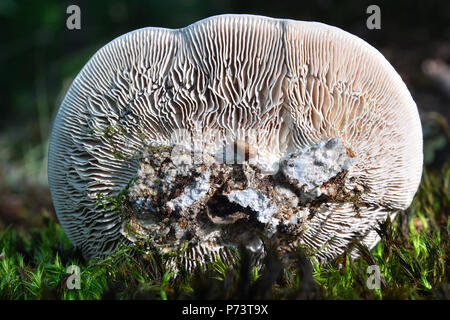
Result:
pixel 230 129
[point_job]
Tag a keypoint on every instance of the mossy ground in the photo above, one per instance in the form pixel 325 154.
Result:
pixel 412 258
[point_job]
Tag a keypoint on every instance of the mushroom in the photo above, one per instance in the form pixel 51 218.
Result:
pixel 233 127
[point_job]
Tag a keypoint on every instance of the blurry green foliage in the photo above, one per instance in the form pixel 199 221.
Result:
pixel 40 56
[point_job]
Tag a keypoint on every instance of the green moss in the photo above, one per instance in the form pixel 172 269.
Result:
pixel 412 258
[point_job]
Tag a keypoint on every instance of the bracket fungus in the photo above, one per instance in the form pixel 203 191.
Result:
pixel 234 127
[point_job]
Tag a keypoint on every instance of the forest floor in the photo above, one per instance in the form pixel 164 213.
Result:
pixel 412 259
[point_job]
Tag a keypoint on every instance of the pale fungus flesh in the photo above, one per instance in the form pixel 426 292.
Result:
pixel 234 127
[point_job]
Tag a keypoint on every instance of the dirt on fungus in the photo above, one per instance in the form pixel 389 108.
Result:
pixel 179 204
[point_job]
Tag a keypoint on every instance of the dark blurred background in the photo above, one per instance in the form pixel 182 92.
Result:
pixel 40 57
